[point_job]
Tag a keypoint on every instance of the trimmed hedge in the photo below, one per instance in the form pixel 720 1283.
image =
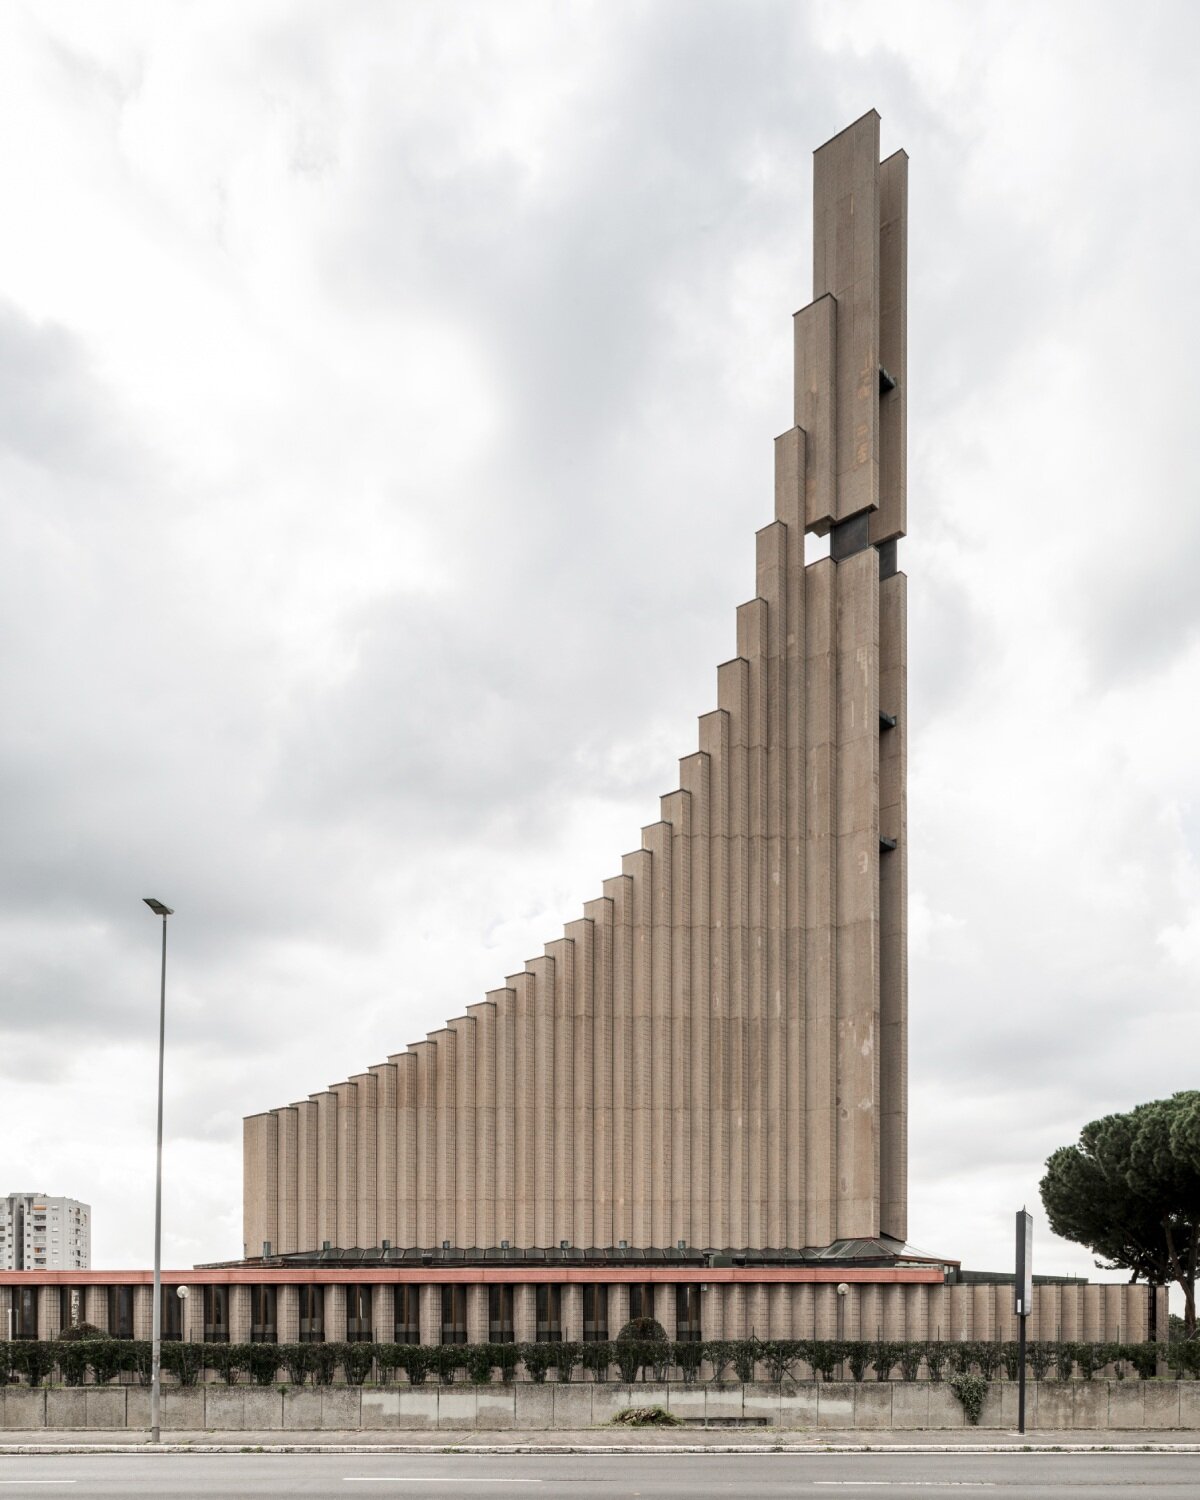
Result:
pixel 102 1360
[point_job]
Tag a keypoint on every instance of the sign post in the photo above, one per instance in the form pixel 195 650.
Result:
pixel 1023 1300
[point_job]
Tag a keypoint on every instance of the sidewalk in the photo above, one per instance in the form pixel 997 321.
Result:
pixel 604 1440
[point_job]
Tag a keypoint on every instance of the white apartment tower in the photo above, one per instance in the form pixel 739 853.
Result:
pixel 41 1233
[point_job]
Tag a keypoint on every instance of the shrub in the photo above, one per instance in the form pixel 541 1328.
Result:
pixel 356 1361
pixel 1041 1357
pixel 537 1359
pixel 745 1357
pixel 970 1390
pixel 1064 1360
pixel 567 1358
pixel 5 1361
pixel 688 1356
pixel 988 1357
pixel 911 1354
pixel 508 1357
pixel 137 1359
pixel 297 1360
pixel 1144 1359
pixel 960 1356
pixel 324 1363
pixel 104 1359
pixel 184 1361
pixel 261 1362
pixel 720 1355
pixel 645 1416
pixel 81 1331
pixel 33 1359
pixel 779 1355
pixel 1010 1354
pixel 596 1358
pixel 858 1357
pixel 72 1359
pixel 480 1361
pixel 824 1355
pixel 1087 1357
pixel 628 1358
pixel 642 1330
pixel 884 1356
pixel 445 1359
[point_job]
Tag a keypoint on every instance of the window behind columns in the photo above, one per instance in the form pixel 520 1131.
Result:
pixel 172 1314
pixel 120 1312
pixel 549 1315
pixel 408 1314
pixel 216 1314
pixel 500 1314
pixel 25 1311
pixel 454 1314
pixel 263 1327
pixel 312 1314
pixel 595 1314
pixel 687 1313
pixel 358 1314
pixel 641 1300
pixel 70 1306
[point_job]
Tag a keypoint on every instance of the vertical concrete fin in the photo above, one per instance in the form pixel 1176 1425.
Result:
pixel 637 866
pixel 327 1166
pixel 857 901
pixel 618 890
pixel 814 332
pixel 347 1165
pixel 487 1121
pixel 542 1139
pixel 386 1227
pixel 891 519
pixel 893 909
pixel 600 913
pixel 463 1106
pixel 524 1138
pixel 306 1175
pixel 561 1162
pixel 506 1115
pixel 656 840
pixel 286 1231
pixel 846 264
pixel 366 1175
pixel 407 1149
pixel 581 1167
pixel 715 746
pixel 677 816
pixel 694 772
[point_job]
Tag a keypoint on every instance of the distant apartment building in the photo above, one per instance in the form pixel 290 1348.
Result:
pixel 41 1233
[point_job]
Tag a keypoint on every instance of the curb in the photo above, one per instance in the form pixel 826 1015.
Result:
pixel 648 1450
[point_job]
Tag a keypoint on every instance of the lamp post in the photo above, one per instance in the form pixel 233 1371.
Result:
pixel 164 912
pixel 842 1292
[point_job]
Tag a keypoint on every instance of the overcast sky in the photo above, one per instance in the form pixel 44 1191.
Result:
pixel 387 395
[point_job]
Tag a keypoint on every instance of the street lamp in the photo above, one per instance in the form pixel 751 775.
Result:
pixel 164 912
pixel 842 1291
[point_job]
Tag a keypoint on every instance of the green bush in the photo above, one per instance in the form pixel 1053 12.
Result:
pixel 719 1353
pixel 989 1357
pixel 639 1330
pixel 596 1358
pixel 745 1357
pixel 81 1331
pixel 970 1390
pixel 911 1355
pixel 445 1359
pixel 1144 1359
pixel 1041 1357
pixel 779 1355
pixel 297 1360
pixel 356 1361
pixel 72 1359
pixel 261 1362
pixel 324 1363
pixel 1010 1354
pixel 184 1361
pixel 538 1358
pixel 824 1355
pixel 1087 1357
pixel 885 1355
pixel 33 1359
pixel 104 1359
pixel 414 1360
pixel 858 1357
pixel 1064 1360
pixel 137 1359
pixel 645 1416
pixel 935 1358
pixel 688 1356
pixel 508 1357
pixel 960 1356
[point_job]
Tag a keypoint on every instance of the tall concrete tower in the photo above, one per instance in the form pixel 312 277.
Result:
pixel 715 1051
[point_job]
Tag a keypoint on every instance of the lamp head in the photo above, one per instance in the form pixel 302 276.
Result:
pixel 157 907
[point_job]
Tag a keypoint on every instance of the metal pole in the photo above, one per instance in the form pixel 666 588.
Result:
pixel 1021 1379
pixel 156 1325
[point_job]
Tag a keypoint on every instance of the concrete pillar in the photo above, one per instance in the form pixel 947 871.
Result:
pixel 386 1225
pixel 306 1176
pixel 477 1314
pixel 239 1314
pixel 503 1191
pixel 347 1164
pixel 49 1314
pixel 288 1187
pixel 560 1162
pixel 366 1167
pixel 287 1314
pixel 524 1313
pixel 579 1161
pixel 637 866
pixel 96 1307
pixel 406 1149
pixel 572 1313
pixel 327 1164
pixel 523 985
pixel 599 1162
pixel 335 1317
pixel 486 1122
pixel 431 1314
pixel 462 1105
pixel 618 891
pixel 541 1138
pixel 618 1307
pixel 445 1073
pixel 143 1311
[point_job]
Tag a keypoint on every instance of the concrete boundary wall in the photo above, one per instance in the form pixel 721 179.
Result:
pixel 1118 1405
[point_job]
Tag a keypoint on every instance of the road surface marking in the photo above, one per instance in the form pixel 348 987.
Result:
pixel 425 1479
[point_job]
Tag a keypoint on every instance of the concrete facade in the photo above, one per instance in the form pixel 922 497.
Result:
pixel 715 1052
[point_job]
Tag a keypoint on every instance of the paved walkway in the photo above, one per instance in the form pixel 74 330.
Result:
pixel 602 1439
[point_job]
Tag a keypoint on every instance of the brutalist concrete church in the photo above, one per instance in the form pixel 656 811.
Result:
pixel 694 1103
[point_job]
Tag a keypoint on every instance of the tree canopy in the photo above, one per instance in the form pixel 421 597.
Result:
pixel 1130 1192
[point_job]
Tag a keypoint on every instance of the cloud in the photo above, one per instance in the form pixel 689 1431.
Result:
pixel 385 418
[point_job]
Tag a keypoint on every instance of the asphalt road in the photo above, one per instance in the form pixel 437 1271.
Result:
pixel 1032 1476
